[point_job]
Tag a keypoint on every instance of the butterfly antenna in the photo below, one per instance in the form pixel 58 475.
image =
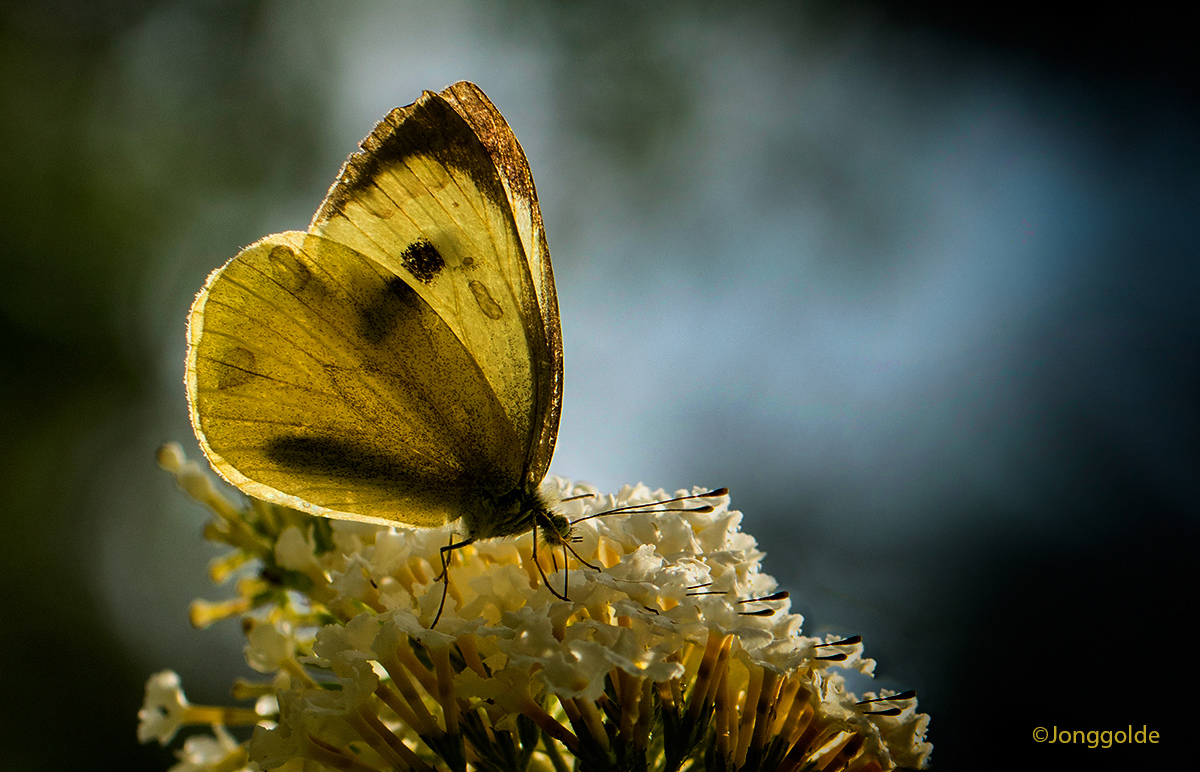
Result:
pixel 892 711
pixel 650 508
pixel 765 612
pixel 699 589
pixel 841 655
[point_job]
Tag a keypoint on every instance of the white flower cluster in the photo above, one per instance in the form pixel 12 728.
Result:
pixel 676 648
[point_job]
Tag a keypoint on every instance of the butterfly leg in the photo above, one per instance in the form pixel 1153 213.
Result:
pixel 538 563
pixel 577 556
pixel 445 554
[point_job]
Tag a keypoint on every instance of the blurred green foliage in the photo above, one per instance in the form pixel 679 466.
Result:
pixel 119 123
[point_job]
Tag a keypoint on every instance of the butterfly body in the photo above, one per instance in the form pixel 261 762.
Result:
pixel 401 361
pixel 514 513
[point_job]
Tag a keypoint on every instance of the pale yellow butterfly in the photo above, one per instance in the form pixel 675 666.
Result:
pixel 400 362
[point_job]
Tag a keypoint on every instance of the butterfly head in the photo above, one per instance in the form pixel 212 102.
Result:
pixel 554 529
pixel 517 512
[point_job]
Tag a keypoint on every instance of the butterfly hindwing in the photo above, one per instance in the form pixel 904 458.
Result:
pixel 321 380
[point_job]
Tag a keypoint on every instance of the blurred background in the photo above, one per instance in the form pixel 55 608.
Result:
pixel 920 286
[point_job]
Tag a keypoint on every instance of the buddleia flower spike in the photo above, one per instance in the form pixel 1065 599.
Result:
pixel 651 663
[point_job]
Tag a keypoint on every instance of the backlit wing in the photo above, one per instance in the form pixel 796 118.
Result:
pixel 320 379
pixel 440 194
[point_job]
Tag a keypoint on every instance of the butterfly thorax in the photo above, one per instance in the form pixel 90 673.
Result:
pixel 515 513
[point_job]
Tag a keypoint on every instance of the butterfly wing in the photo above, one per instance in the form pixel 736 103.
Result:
pixel 401 362
pixel 441 194
pixel 493 131
pixel 320 380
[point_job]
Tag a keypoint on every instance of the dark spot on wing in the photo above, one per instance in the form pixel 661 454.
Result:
pixel 422 260
pixel 336 459
pixel 491 309
pixel 288 270
pixel 394 303
pixel 234 367
pixel 468 262
pixel 429 127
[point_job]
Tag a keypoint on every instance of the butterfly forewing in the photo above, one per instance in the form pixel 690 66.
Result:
pixel 320 380
pixel 501 143
pixel 426 199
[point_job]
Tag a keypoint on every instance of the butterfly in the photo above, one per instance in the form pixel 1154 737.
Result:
pixel 401 361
